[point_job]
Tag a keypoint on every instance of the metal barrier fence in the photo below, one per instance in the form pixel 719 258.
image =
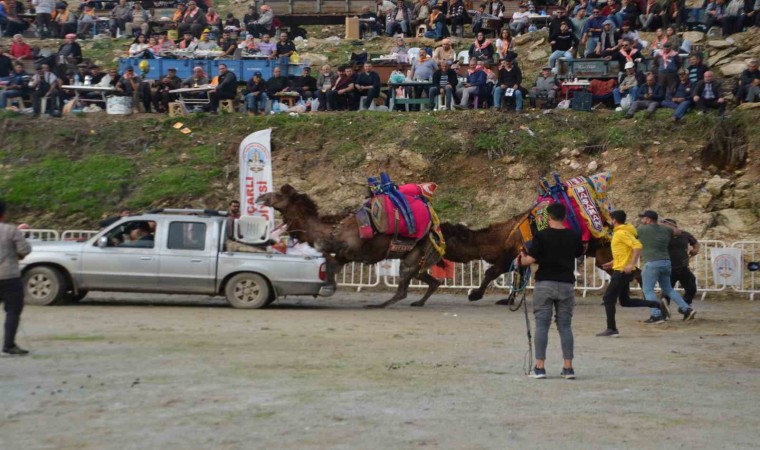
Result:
pixel 41 235
pixel 78 235
pixel 358 275
pixel 750 252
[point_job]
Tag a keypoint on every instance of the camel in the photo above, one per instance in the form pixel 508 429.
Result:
pixel 339 242
pixel 499 244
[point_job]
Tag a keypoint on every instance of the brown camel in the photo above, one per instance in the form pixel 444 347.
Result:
pixel 339 242
pixel 498 245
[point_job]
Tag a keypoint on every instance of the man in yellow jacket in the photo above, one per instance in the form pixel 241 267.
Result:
pixel 626 250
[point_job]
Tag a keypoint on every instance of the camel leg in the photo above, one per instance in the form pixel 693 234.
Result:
pixel 491 274
pixel 432 283
pixel 333 268
pixel 406 273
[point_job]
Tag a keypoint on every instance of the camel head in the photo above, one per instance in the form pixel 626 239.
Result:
pixel 290 200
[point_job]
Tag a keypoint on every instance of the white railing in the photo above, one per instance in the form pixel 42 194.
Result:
pixel 751 282
pixel 41 235
pixel 78 235
pixel 358 275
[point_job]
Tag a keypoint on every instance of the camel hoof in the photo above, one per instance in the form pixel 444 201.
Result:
pixel 417 303
pixel 474 296
pixel 505 302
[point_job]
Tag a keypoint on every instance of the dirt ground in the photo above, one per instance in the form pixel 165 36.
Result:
pixel 138 371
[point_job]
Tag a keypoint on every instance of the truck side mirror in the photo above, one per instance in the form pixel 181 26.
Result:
pixel 103 242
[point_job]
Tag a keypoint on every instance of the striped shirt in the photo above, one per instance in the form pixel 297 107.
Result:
pixel 13 246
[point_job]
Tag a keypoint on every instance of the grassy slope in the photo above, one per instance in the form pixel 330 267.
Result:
pixel 69 172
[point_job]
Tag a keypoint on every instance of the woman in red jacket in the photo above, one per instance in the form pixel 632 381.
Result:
pixel 20 49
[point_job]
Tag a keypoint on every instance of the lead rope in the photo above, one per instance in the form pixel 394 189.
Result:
pixel 519 284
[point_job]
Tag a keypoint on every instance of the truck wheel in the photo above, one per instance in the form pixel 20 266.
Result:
pixel 44 286
pixel 247 291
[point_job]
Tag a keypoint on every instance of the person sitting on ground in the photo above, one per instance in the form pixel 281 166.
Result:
pixel 368 85
pixel 421 13
pixel 481 49
pixel 188 42
pixel 436 23
pixel 197 79
pixel 249 45
pixel 679 95
pixel 165 42
pixel 227 44
pixel 17 86
pixel 139 21
pixel 264 24
pixel 457 16
pixel 650 15
pixel 648 96
pixel 193 20
pixel 445 82
pixel 748 86
pixel 476 80
pixel 628 87
pixel 45 86
pixel 19 49
pixel 697 68
pixel 154 46
pixel 444 53
pixel 250 18
pixel 139 48
pixel 226 89
pixel 206 44
pixel 325 82
pixel 735 15
pixel 305 84
pixel 64 21
pixel 399 19
pixel 129 85
pixel 86 22
pixel 369 22
pixel 266 47
pixel 520 20
pixel 163 97
pixel 256 95
pixel 510 79
pixel 477 19
pixel 277 84
pixel 120 15
pixel 231 23
pixel 608 42
pixel 708 94
pixel 337 96
pixel 44 12
pixel 401 50
pixel 563 45
pixel 70 50
pixel 213 21
pixel 546 87
pixel 505 45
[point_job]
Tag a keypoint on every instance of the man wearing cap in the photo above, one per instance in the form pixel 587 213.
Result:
pixel 648 96
pixel 546 87
pixel 626 249
pixel 679 95
pixel 256 95
pixel 682 247
pixel 655 239
pixel 225 90
pixel 628 87
pixel 162 97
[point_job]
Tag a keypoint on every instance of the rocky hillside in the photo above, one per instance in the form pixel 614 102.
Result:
pixel 68 173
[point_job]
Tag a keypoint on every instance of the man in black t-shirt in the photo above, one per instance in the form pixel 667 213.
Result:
pixel 680 253
pixel 554 250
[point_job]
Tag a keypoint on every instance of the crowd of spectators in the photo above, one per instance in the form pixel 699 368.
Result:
pixel 656 74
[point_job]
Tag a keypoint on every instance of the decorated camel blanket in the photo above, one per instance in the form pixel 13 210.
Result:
pixel 387 218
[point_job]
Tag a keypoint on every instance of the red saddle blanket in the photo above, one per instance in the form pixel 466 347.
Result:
pixel 387 220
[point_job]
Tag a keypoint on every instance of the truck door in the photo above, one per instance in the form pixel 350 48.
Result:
pixel 187 259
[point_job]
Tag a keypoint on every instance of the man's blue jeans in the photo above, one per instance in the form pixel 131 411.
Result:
pixel 284 63
pixel 435 91
pixel 680 108
pixel 436 33
pixel 498 95
pixel 256 103
pixel 590 46
pixel 557 54
pixel 659 272
pixel 618 96
pixel 5 95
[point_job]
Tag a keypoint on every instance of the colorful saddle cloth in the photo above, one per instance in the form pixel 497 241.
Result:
pixel 387 219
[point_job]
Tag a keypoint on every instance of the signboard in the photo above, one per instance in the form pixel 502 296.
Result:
pixel 727 266
pixel 256 174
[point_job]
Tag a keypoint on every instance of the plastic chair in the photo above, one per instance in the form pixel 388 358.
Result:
pixel 464 57
pixel 413 53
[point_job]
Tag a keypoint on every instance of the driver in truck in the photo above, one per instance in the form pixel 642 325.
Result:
pixel 140 236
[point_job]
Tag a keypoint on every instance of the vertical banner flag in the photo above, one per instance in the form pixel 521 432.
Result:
pixel 256 174
pixel 727 266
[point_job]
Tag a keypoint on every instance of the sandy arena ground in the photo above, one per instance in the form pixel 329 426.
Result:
pixel 120 372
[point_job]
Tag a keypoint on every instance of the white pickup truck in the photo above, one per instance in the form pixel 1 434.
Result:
pixel 174 252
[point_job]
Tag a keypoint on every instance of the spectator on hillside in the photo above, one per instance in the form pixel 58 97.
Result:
pixel 697 69
pixel 754 15
pixel 264 24
pixel 369 22
pixel 444 53
pixel 120 15
pixel 445 82
pixel 206 44
pixel 138 21
pixel 266 47
pixel 715 14
pixel 748 86
pixel 179 14
pixel 228 45
pixel 477 19
pixel 437 24
pixel 188 42
pixel 421 13
pixel 70 50
pixel 6 65
pixel 563 45
pixel 140 48
pixel 457 15
pixel 626 32
pixel 649 96
pixel 162 96
pixel 673 38
pixel 399 20
pixel 337 96
pixel 9 20
pixel 593 32
pixel 651 15
pixel 608 41
pixel 19 49
pixel 277 84
pixel 734 20
pixel 44 11
pixel 46 87
pixel 284 49
pixel 510 79
pixel 368 85
pixel 505 45
pixel 520 20
pixel 198 78
pixel 546 88
pixel 627 53
pixel 256 95
pixel 226 89
pixel 679 95
pixel 579 22
pixel 64 21
pixel 629 12
pixel 305 84
pixel 481 49
pixel 559 17
pixel 18 85
pixel 476 81
pixel 86 22
pixel 129 86
pixel 708 94
pixel 325 81
pixel 249 45
pixel 628 87
pixel 231 23
pixel 668 63
pixel 193 20
pixel 213 20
